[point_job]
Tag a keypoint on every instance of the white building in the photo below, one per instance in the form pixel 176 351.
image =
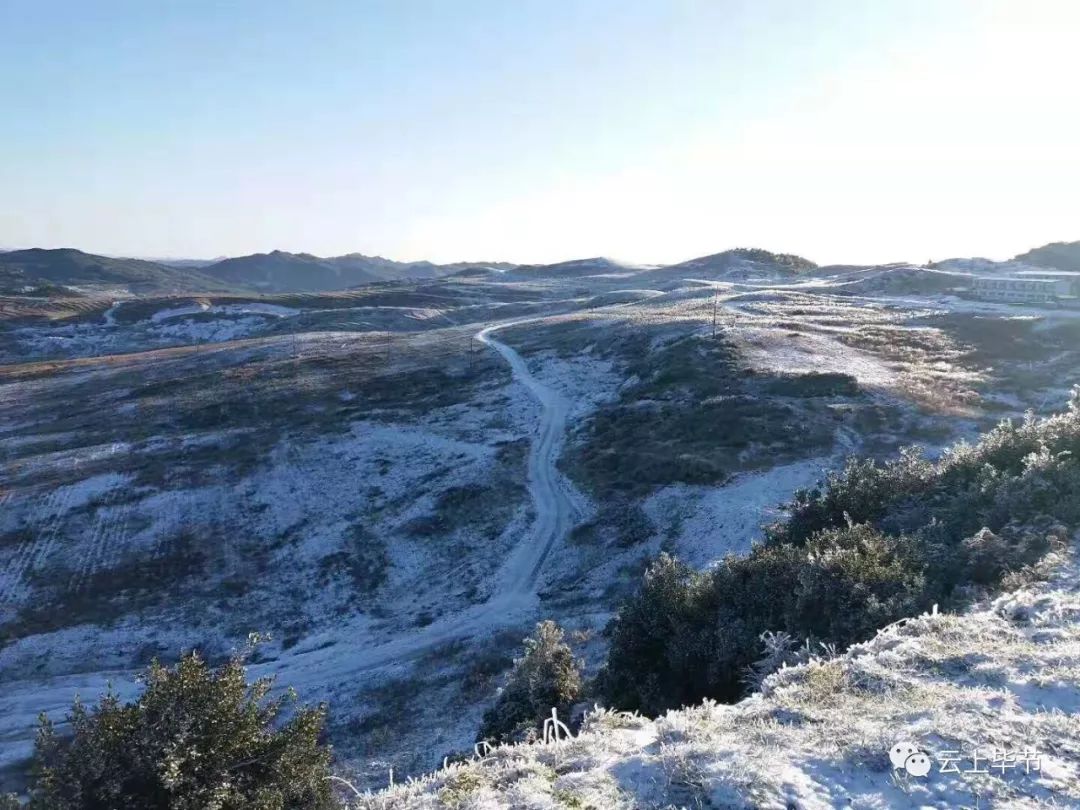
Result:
pixel 1029 287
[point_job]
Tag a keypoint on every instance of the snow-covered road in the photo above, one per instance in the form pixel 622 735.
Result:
pixel 551 492
pixel 337 656
pixel 514 598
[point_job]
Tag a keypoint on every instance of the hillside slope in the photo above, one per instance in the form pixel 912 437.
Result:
pixel 1058 255
pixel 999 682
pixel 279 271
pixel 41 269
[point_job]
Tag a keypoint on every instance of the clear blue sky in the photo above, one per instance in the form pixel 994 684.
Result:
pixel 537 130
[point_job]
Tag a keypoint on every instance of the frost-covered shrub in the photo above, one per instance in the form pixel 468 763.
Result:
pixel 197 739
pixel 1014 471
pixel 853 581
pixel 779 649
pixel 547 676
pixel 661 642
pixel 689 635
pixel 986 555
pixel 863 491
pixel 873 544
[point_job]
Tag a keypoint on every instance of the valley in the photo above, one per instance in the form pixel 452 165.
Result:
pixel 393 483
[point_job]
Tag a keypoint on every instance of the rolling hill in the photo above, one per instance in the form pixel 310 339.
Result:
pixel 279 271
pixel 43 270
pixel 1059 255
pixel 748 258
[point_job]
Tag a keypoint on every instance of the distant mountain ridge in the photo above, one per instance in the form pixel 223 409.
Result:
pixel 736 259
pixel 49 271
pixel 279 271
pixel 574 267
pixel 44 271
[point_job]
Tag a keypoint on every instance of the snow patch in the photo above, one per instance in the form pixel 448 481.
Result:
pixel 704 524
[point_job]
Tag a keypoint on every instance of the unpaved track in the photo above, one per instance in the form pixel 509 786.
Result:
pixel 514 598
pixel 513 601
pixel 556 512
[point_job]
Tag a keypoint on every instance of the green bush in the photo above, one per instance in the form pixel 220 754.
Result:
pixel 197 739
pixel 688 635
pixel 547 676
pixel 1012 460
pixel 660 645
pixel 873 544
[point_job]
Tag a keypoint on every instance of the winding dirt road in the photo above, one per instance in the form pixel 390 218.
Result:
pixel 514 598
pixel 513 602
pixel 556 512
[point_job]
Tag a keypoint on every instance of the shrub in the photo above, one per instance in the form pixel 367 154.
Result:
pixel 863 491
pixel 873 544
pixel 813 384
pixel 197 739
pixel 547 676
pixel 688 635
pixel 787 260
pixel 1015 471
pixel 659 652
pixel 853 581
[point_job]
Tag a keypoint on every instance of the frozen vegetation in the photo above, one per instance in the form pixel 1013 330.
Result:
pixel 396 493
pixel 997 682
pixel 173 326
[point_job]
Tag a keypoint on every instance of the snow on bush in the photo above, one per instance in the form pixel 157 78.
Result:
pixel 875 543
pixel 998 682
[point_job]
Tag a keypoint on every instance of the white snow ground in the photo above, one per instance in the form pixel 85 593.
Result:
pixel 704 524
pixel 513 594
pixel 283 494
pixel 990 696
pixel 172 326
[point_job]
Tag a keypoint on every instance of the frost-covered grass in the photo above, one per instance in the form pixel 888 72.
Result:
pixel 276 447
pixel 170 327
pixel 1002 678
pixel 313 490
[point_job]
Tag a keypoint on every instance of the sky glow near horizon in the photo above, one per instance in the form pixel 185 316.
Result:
pixel 537 131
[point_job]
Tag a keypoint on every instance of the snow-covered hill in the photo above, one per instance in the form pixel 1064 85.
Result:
pixel 351 472
pixel 988 700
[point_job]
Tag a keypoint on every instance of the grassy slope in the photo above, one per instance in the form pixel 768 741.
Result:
pixel 1000 676
pixel 46 268
pixel 1059 255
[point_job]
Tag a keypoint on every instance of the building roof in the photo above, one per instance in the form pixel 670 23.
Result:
pixel 1050 273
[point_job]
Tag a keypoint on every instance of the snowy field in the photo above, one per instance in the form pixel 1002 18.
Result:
pixel 395 513
pixel 170 326
pixel 987 701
